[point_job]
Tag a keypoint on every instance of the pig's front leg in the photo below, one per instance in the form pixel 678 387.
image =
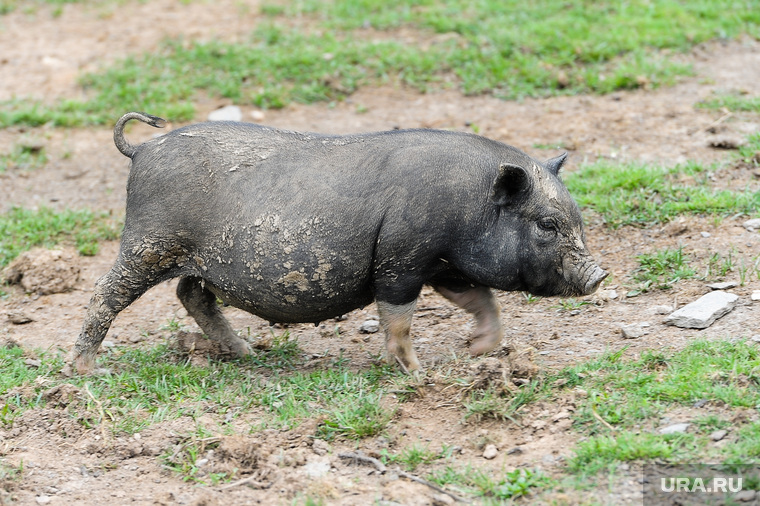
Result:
pixel 396 321
pixel 481 303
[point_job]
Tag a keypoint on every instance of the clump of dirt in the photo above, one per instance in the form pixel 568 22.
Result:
pixel 44 272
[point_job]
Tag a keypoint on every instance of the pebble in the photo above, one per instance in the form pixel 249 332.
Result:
pixel 745 496
pixel 752 225
pixel 633 331
pixel 228 113
pixel 320 447
pixel 718 435
pixel 17 318
pixel 369 327
pixel 723 286
pixel 703 312
pixel 258 116
pixel 490 452
pixel 33 363
pixel 705 234
pixel 43 499
pixel 675 428
pixel 755 295
pixel 663 309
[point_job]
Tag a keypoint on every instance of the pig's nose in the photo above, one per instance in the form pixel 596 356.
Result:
pixel 594 280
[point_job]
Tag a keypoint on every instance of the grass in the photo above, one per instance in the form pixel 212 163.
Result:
pixel 662 269
pixel 619 406
pixel 502 487
pixel 22 229
pixel 733 102
pixel 508 50
pixel 643 195
pixel 23 156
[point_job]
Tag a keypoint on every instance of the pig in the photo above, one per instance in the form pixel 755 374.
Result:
pixel 302 227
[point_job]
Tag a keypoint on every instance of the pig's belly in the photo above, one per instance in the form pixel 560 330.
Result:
pixel 288 291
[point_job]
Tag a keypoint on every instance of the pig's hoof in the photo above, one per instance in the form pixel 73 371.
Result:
pixel 409 366
pixel 483 345
pixel 239 348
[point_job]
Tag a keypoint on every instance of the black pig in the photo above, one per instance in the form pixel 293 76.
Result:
pixel 301 227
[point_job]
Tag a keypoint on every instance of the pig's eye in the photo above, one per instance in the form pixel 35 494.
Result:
pixel 547 224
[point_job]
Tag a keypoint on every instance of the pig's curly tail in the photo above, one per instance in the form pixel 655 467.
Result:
pixel 122 144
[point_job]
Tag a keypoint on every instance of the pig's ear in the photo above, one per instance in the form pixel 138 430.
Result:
pixel 554 164
pixel 510 185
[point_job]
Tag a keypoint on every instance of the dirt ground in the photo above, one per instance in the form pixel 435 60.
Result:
pixel 65 463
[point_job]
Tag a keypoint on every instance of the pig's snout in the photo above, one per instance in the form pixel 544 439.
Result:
pixel 595 277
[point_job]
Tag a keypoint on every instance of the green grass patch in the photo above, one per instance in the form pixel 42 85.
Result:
pixel 632 396
pixel 662 269
pixel 493 486
pixel 22 229
pixel 23 156
pixel 733 102
pixel 147 386
pixel 641 195
pixel 505 49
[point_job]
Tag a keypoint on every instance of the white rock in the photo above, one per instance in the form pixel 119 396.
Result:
pixel 723 286
pixel 258 115
pixel 317 466
pixel 633 331
pixel 755 295
pixel 490 452
pixel 705 234
pixel 703 312
pixel 675 428
pixel 228 113
pixel 369 327
pixel 43 499
pixel 718 435
pixel 663 309
pixel 752 225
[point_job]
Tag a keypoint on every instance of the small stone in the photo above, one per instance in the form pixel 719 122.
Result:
pixel 517 450
pixel 181 313
pixel 752 225
pixel 320 447
pixel 726 285
pixel 705 235
pixel 718 435
pixel 108 344
pixel 755 295
pixel 745 496
pixel 33 363
pixel 18 318
pixel 228 113
pixel 490 452
pixel 703 312
pixel 633 331
pixel 756 338
pixel 43 499
pixel 442 500
pixel 663 309
pixel 258 115
pixel 677 428
pixel 369 327
pixel 726 142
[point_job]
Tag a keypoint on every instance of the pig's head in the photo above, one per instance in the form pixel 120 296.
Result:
pixel 534 238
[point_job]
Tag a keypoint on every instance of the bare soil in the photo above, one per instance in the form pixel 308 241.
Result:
pixel 66 463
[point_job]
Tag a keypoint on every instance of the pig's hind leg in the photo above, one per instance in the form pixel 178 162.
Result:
pixel 200 303
pixel 481 303
pixel 122 285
